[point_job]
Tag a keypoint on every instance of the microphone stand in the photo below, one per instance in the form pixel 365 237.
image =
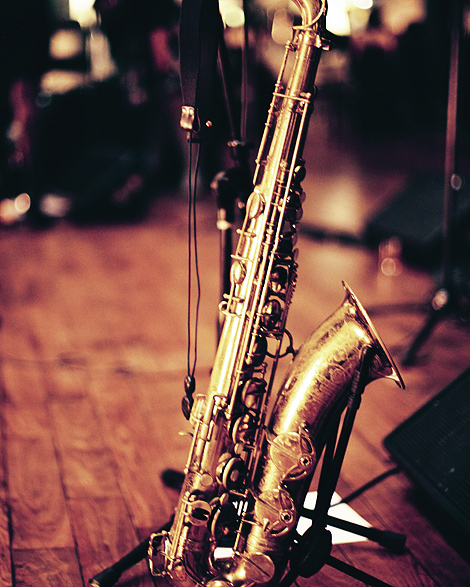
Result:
pixel 447 299
pixel 235 183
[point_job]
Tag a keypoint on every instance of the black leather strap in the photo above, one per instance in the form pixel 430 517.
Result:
pixel 200 30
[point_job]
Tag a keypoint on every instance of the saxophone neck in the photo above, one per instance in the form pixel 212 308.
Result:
pixel 312 12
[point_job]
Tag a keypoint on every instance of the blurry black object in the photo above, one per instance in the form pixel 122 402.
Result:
pixel 143 40
pixel 451 298
pixel 25 28
pixel 374 67
pixel 415 218
pixel 201 36
pixel 108 159
pixel 173 478
pixel 129 25
pixel 108 147
pixel 433 447
pixel 102 184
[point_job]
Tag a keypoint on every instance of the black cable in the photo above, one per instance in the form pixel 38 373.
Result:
pixel 190 265
pixel 192 250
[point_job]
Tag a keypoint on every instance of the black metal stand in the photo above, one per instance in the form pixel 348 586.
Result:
pixel 111 575
pixel 447 300
pixel 313 548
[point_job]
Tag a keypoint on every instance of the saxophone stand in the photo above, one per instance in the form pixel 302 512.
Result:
pixel 448 300
pixel 112 574
pixel 313 548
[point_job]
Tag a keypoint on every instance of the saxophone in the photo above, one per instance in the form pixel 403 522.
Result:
pixel 251 459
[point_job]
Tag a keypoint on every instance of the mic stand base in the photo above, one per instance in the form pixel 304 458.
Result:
pixel 446 302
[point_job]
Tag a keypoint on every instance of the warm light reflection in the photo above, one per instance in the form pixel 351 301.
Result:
pixel 55 205
pixel 303 390
pixel 281 30
pixel 13 210
pixel 66 44
pixel 337 19
pixel 22 203
pixel 363 4
pixel 232 13
pixel 82 11
pixel 390 257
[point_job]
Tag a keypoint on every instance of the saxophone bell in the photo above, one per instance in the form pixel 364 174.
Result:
pixel 322 371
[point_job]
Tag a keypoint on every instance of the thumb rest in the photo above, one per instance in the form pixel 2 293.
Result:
pixel 252 457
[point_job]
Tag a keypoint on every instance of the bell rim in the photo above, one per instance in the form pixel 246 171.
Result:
pixel 395 373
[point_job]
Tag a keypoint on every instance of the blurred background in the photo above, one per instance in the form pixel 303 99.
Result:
pixel 91 97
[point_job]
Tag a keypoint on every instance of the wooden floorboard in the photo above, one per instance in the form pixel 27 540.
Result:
pixel 93 355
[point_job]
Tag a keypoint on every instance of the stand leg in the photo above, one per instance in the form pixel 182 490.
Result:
pixel 389 540
pixel 111 575
pixel 355 573
pixel 447 301
pixel 421 337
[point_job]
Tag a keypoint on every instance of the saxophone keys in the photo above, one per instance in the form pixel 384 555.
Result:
pixel 275 511
pixel 293 453
pixel 255 204
pixel 156 555
pixel 271 314
pixel 243 430
pixel 239 570
pixel 229 471
pixel 253 392
pixel 224 519
pixel 255 568
pixel 179 572
pixel 198 512
pixel 257 355
pixel 278 279
pixel 237 272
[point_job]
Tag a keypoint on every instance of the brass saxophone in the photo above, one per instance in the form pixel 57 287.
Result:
pixel 251 463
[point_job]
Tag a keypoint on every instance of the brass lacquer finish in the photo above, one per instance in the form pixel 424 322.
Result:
pixel 247 473
pixel 316 387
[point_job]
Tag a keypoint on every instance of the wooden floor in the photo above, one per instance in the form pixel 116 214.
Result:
pixel 93 350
